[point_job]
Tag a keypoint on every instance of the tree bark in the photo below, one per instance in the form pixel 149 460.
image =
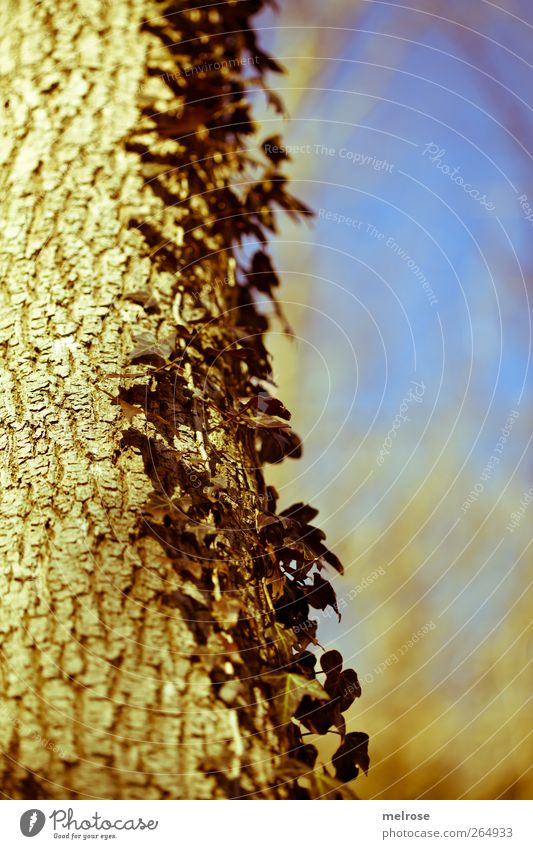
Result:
pixel 124 673
pixel 155 607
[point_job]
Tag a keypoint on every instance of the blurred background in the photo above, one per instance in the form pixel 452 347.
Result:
pixel 409 378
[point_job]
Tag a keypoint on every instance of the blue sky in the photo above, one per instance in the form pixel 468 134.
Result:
pixel 367 328
pixel 473 345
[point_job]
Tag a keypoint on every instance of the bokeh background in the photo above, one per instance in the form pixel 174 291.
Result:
pixel 409 376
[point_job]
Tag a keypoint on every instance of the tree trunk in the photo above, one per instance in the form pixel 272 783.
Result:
pixel 153 631
pixel 121 660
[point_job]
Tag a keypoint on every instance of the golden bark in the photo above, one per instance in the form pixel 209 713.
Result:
pixel 109 684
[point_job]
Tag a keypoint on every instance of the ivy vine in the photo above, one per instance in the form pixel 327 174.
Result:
pixel 206 125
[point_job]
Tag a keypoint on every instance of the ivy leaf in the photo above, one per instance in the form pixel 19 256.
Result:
pixel 343 686
pixel 265 519
pixel 263 403
pixel 276 102
pixel 304 752
pixel 304 664
pixel 281 637
pixel 276 586
pixel 307 633
pixel 332 560
pixel 200 532
pixel 290 690
pixel 160 508
pixel 317 716
pixel 216 485
pixel 322 595
pixel 264 421
pixel 351 687
pixel 147 347
pixel 308 538
pixel 323 786
pixel 276 444
pixel 192 118
pixel 143 296
pixel 262 275
pixel 277 155
pixel 292 609
pixel 331 661
pixel 351 754
pixel 267 63
pixel 129 410
pixel 300 512
pixel 338 720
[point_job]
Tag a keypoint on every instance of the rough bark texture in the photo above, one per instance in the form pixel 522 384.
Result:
pixel 112 672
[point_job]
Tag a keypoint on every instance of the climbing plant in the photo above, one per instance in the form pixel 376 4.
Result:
pixel 218 191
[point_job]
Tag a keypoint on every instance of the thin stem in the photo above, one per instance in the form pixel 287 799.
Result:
pixel 330 731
